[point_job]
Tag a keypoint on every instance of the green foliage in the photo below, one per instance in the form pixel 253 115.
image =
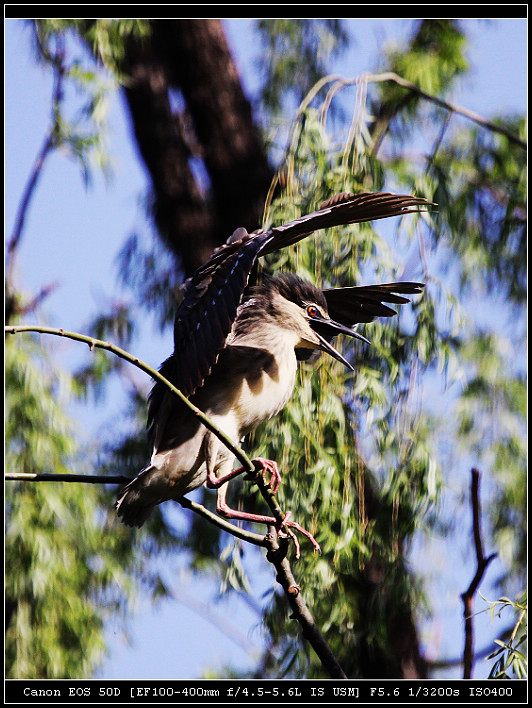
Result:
pixel 480 186
pixel 433 60
pixel 106 38
pixel 358 471
pixel 491 425
pixel 65 572
pixel 511 660
pixel 295 55
pixel 80 133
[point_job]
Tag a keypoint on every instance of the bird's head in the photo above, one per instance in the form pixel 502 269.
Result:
pixel 301 308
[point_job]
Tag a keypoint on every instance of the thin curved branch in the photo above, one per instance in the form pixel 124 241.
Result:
pixel 340 82
pixel 454 108
pixel 143 366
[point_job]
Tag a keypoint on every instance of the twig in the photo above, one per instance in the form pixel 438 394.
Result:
pixel 47 477
pixel 482 564
pixel 471 115
pixel 254 538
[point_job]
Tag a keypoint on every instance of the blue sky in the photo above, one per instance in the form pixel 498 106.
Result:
pixel 72 238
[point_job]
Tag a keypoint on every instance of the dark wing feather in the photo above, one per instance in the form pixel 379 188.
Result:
pixel 211 299
pixel 204 319
pixel 366 206
pixel 364 303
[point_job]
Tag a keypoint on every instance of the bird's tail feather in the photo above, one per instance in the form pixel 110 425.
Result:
pixel 135 501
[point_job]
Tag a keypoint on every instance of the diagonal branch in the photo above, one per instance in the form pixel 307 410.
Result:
pixel 49 143
pixel 143 366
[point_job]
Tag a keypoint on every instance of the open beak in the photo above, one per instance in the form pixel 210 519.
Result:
pixel 326 329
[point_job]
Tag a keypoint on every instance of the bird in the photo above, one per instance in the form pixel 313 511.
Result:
pixel 237 345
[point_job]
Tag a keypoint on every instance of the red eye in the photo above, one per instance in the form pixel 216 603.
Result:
pixel 313 311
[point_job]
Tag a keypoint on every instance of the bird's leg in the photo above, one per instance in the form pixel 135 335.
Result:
pixel 212 445
pixel 261 463
pixel 283 527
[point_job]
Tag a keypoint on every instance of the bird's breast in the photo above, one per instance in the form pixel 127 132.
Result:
pixel 249 385
pixel 263 397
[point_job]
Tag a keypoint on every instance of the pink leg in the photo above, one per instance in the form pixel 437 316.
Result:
pixel 214 482
pixel 223 508
pixel 220 483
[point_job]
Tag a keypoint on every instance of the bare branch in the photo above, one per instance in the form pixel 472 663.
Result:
pixel 471 115
pixel 48 145
pixel 84 478
pixel 340 82
pixel 300 611
pixel 482 564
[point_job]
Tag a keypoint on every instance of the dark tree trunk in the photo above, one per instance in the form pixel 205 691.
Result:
pixel 233 152
pixel 191 57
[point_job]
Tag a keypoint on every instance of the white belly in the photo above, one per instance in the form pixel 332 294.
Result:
pixel 262 401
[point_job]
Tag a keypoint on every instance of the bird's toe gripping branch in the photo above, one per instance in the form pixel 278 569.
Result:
pixel 263 467
pixel 285 530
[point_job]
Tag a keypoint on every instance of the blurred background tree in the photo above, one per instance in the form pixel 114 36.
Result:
pixel 364 457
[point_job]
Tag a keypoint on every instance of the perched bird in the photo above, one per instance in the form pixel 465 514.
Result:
pixel 236 348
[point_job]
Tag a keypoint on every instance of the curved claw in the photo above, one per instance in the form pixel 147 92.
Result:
pixel 261 463
pixel 289 533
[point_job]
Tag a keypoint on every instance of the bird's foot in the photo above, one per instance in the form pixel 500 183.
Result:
pixel 263 467
pixel 284 529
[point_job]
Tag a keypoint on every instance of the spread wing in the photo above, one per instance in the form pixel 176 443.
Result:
pixel 343 209
pixel 212 295
pixel 364 303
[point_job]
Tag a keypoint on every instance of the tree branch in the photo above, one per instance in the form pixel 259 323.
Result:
pixel 300 612
pixel 49 143
pixel 123 354
pixel 409 86
pixel 482 564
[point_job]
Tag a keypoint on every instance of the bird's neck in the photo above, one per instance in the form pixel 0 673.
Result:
pixel 279 341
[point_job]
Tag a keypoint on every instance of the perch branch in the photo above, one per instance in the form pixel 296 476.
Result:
pixel 482 564
pixel 300 612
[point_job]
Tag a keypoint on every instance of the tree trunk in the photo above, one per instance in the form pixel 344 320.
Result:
pixel 215 178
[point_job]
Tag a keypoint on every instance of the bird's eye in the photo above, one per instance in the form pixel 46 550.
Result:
pixel 313 311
